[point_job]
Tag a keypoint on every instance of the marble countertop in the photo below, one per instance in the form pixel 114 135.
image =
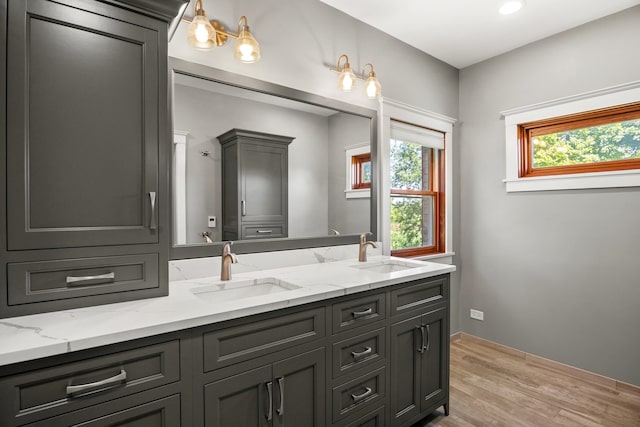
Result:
pixel 194 302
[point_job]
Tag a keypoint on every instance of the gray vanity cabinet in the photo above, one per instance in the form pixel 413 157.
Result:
pixel 289 392
pixel 254 185
pixel 419 366
pixel 82 129
pixel 86 149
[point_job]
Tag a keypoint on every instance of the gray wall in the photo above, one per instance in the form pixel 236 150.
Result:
pixel 206 115
pixel 301 39
pixel 348 216
pixel 556 273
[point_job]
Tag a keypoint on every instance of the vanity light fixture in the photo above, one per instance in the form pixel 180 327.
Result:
pixel 347 78
pixel 206 34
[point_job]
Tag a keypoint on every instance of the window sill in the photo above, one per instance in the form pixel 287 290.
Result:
pixel 357 194
pixel 443 258
pixel 627 178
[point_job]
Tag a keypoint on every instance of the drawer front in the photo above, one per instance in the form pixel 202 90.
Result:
pixel 244 342
pixel 67 387
pixel 358 312
pixel 162 412
pixel 419 294
pixel 264 231
pixel 357 352
pixel 41 281
pixel 365 391
pixel 372 419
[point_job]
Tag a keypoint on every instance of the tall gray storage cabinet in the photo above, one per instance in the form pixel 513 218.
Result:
pixel 85 84
pixel 254 185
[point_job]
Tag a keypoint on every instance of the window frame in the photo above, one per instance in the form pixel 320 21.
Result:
pixel 357 163
pixel 622 94
pixel 603 116
pixel 438 226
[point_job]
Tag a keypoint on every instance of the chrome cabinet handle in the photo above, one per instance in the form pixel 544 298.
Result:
pixel 426 348
pixel 115 380
pixel 75 279
pixel 357 355
pixel 243 207
pixel 153 223
pixel 358 397
pixel 357 314
pixel 280 409
pixel 270 409
pixel 264 231
pixel 420 348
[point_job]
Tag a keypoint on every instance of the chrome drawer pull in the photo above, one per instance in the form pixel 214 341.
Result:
pixel 359 397
pixel 74 279
pixel 153 223
pixel 420 348
pixel 357 314
pixel 270 409
pixel 280 409
pixel 264 231
pixel 426 348
pixel 243 208
pixel 115 380
pixel 357 355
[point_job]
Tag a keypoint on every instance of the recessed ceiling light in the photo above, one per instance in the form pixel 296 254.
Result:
pixel 511 7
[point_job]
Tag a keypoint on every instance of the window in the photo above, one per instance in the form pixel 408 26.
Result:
pixel 416 190
pixel 358 171
pixel 588 140
pixel 595 141
pixel 361 171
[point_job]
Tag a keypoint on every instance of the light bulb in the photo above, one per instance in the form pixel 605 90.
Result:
pixel 373 87
pixel 347 79
pixel 200 33
pixel 247 47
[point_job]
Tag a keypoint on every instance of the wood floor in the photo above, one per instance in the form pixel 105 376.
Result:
pixel 490 387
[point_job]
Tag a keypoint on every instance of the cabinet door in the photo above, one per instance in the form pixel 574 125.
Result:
pixel 434 375
pixel 405 369
pixel 240 400
pixel 82 126
pixel 299 390
pixel 263 183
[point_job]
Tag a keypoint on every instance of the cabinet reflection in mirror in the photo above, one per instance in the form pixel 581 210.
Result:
pixel 257 162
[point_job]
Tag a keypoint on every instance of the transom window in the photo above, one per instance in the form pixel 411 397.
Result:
pixel 601 140
pixel 417 190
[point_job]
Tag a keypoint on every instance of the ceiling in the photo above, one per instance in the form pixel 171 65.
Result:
pixel 464 32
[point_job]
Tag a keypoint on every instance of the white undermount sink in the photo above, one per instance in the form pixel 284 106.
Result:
pixel 236 290
pixel 387 266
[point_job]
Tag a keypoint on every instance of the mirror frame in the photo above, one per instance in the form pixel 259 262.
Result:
pixel 200 250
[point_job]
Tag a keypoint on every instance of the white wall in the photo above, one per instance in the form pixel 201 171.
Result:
pixel 556 273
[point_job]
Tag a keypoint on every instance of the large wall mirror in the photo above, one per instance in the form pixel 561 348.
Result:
pixel 269 167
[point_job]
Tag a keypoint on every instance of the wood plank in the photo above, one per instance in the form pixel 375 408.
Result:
pixel 494 385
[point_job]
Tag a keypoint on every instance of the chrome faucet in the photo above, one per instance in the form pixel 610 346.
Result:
pixel 362 256
pixel 228 258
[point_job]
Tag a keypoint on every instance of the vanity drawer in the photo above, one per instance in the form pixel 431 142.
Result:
pixel 42 281
pixel 66 387
pixel 248 341
pixel 357 352
pixel 372 419
pixel 358 312
pixel 420 294
pixel 263 231
pixel 365 391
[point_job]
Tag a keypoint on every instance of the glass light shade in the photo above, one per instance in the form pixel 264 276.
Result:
pixel 372 87
pixel 200 33
pixel 247 47
pixel 346 80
